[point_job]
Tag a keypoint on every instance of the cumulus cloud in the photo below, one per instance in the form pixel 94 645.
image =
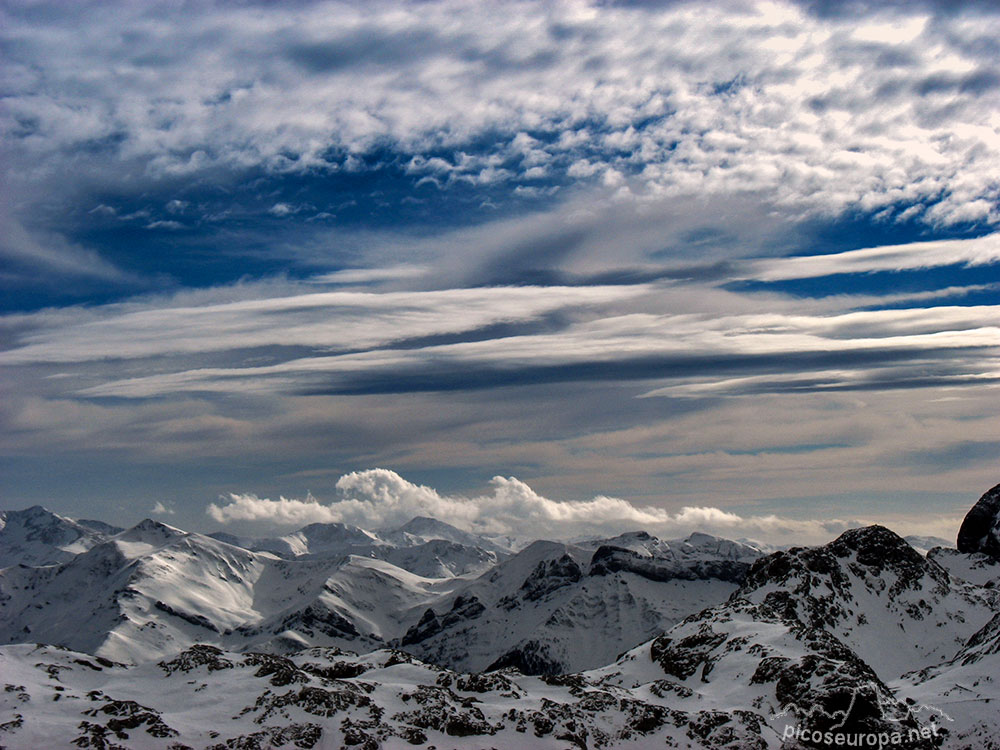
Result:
pixel 380 498
pixel 160 509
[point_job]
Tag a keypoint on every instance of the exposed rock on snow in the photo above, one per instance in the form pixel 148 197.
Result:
pixel 868 586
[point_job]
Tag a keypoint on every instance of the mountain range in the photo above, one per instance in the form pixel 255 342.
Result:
pixel 427 635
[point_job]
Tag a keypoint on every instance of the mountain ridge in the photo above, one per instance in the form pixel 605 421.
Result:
pixel 627 641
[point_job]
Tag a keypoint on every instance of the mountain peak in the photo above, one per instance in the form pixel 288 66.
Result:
pixel 878 547
pixel 150 532
pixel 37 536
pixel 980 531
pixel 34 514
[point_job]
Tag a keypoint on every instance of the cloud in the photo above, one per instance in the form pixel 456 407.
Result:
pixel 165 224
pixel 47 256
pixel 969 252
pixel 959 342
pixel 160 509
pixel 282 209
pixel 370 275
pixel 818 111
pixel 379 498
pixel 321 320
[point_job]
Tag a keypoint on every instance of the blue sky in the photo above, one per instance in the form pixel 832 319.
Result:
pixel 733 266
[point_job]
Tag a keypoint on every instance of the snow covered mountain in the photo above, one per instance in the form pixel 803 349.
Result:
pixel 557 607
pixel 421 530
pixel 869 585
pixel 424 546
pixel 36 536
pixel 633 641
pixel 739 676
pixel 154 589
pixel 964 688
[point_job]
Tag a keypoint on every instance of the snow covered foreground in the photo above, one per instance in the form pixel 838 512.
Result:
pixel 730 677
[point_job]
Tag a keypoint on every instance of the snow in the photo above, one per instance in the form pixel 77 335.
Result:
pixel 146 594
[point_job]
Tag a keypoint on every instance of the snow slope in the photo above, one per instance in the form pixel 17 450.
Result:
pixel 734 677
pixel 154 589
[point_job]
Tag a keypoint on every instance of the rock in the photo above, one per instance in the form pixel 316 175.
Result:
pixel 980 531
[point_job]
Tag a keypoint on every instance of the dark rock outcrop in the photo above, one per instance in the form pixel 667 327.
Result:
pixel 464 608
pixel 980 531
pixel 550 575
pixel 609 559
pixel 530 657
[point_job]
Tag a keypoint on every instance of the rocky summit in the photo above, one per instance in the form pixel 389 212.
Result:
pixel 980 531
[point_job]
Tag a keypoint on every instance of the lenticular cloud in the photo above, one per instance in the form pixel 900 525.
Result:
pixel 380 498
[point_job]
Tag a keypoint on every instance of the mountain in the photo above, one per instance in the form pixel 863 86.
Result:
pixel 697 557
pixel 743 658
pixel 634 641
pixel 962 688
pixel 980 530
pixel 424 546
pixel 557 607
pixel 150 590
pixel 439 558
pixel 974 567
pixel 869 585
pixel 314 540
pixel 154 589
pixel 36 536
pixel 421 530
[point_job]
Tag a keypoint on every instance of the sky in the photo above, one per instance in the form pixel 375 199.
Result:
pixel 539 268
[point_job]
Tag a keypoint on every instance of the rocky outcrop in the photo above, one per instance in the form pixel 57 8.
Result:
pixel 866 584
pixel 980 531
pixel 550 575
pixel 464 608
pixel 610 559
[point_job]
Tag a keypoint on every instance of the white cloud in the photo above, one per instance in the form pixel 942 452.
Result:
pixel 47 253
pixel 324 320
pixel 160 509
pixel 823 113
pixel 369 275
pixel 915 255
pixel 881 337
pixel 379 498
pixel 165 224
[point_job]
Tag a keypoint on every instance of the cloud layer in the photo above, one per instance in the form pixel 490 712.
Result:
pixel 890 112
